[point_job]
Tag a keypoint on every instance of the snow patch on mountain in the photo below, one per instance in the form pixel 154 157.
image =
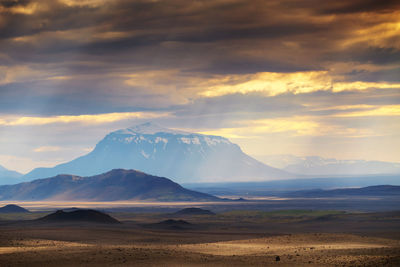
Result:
pixel 181 156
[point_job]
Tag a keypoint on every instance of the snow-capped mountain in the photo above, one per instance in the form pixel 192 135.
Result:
pixel 181 156
pixel 314 165
pixel 8 176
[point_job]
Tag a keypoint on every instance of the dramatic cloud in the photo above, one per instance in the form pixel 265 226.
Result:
pixel 311 77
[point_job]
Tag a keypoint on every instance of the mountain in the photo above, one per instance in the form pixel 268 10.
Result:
pixel 111 186
pixel 181 156
pixel 12 209
pixel 316 166
pixel 271 188
pixel 93 216
pixel 8 176
pixel 370 191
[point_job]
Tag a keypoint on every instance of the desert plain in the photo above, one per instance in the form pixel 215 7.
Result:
pixel 234 236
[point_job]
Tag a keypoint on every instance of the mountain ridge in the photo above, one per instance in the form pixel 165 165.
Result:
pixel 178 155
pixel 9 176
pixel 117 184
pixel 319 166
pixel 368 191
pixel 12 208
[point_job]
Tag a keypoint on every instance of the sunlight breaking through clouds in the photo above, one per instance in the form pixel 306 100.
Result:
pixel 319 75
pixel 273 84
pixel 84 119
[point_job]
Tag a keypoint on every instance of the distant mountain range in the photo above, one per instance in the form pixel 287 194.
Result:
pixel 8 176
pixel 181 156
pixel 193 158
pixel 370 191
pixel 111 186
pixel 318 166
pixel 271 188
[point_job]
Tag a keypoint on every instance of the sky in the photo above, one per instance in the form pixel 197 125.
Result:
pixel 276 77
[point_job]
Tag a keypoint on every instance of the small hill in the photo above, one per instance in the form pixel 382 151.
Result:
pixel 194 211
pixel 93 216
pixel 13 209
pixel 70 209
pixel 114 185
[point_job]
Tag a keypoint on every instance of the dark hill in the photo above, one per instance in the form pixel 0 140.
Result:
pixel 114 185
pixel 93 216
pixel 70 209
pixel 194 211
pixel 12 209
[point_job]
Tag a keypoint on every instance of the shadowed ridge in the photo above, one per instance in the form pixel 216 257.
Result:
pixel 93 216
pixel 11 208
pixel 117 184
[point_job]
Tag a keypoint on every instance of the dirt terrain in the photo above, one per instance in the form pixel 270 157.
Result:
pixel 238 238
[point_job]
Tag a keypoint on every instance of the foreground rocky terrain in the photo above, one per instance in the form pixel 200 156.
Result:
pixel 235 238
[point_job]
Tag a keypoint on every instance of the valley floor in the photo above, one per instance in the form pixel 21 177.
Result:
pixel 236 238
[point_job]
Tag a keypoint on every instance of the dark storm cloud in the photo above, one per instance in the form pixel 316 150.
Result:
pixel 14 3
pixel 359 53
pixel 202 38
pixel 70 97
pixel 389 75
pixel 358 6
pixel 378 55
pixel 230 65
pixel 241 103
pixel 256 106
pixel 55 17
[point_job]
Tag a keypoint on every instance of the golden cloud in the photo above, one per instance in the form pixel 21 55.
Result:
pixel 272 84
pixel 389 110
pixel 47 149
pixel 377 35
pixel 85 119
pixel 299 125
pixel 20 73
pixel 292 127
pixel 21 9
pixel 80 3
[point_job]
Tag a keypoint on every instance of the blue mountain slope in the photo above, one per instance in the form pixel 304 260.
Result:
pixel 8 176
pixel 181 156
